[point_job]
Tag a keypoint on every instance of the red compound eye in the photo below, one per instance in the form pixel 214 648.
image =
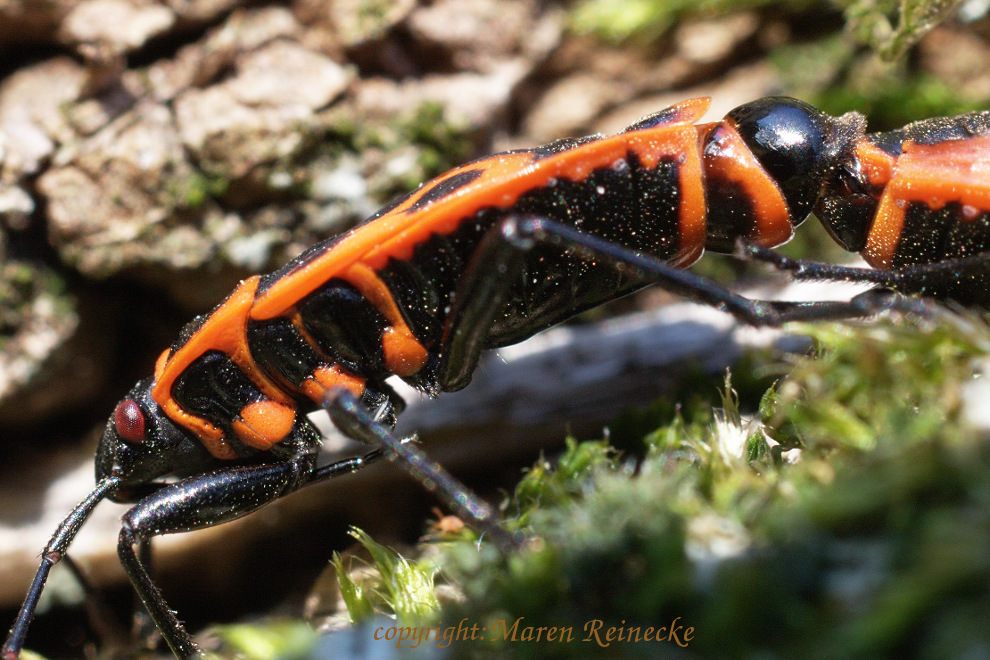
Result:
pixel 129 421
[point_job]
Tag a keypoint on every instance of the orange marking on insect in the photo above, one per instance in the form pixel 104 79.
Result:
pixel 687 112
pixel 404 355
pixel 262 424
pixel 877 164
pixel 934 175
pixel 692 214
pixel 226 331
pixel 885 232
pixel 327 378
pixel 729 157
pixel 952 171
pixel 504 179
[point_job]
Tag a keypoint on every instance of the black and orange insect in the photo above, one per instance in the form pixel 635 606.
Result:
pixel 495 251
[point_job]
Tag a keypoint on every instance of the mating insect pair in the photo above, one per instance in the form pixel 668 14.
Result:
pixel 495 251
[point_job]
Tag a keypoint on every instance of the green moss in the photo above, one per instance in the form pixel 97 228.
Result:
pixel 874 385
pixel 193 192
pixel 366 20
pixel 439 143
pixel 22 284
pixel 892 100
pixel 877 540
pixel 891 27
pixel 401 587
pixel 836 74
pixel 424 141
pixel 618 21
pixel 285 639
pixel 31 655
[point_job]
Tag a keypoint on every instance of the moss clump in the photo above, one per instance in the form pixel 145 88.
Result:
pixel 850 519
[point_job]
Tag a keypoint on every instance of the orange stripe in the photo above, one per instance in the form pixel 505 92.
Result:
pixel 885 232
pixel 686 112
pixel 934 175
pixel 505 178
pixel 692 213
pixel 953 171
pixel 404 355
pixel 888 220
pixel 731 159
pixel 262 424
pixel 689 111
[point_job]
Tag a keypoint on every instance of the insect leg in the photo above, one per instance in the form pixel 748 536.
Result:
pixel 915 278
pixel 345 466
pixel 502 254
pixel 697 288
pixel 800 269
pixel 356 423
pixel 53 552
pixel 195 503
pixel 204 501
pixel 144 633
pixel 477 300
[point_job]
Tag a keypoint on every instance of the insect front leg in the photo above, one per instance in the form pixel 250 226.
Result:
pixel 196 503
pixel 207 500
pixel 57 546
pixel 356 423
